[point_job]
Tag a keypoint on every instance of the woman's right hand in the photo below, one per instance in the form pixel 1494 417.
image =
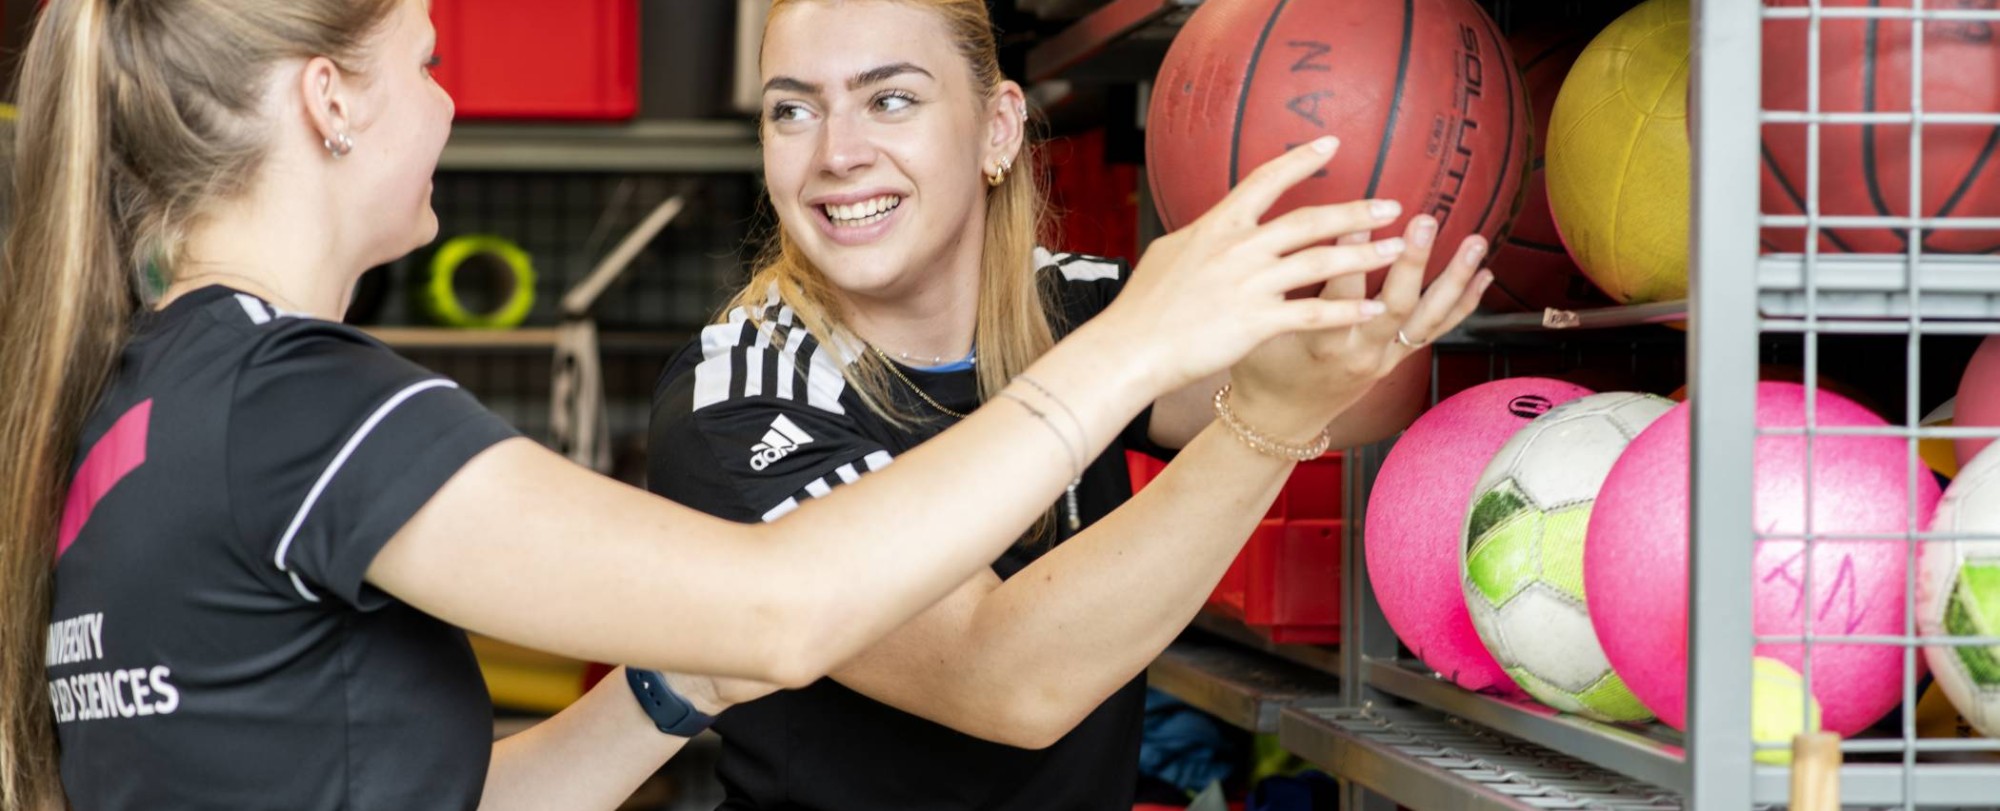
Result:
pixel 1204 296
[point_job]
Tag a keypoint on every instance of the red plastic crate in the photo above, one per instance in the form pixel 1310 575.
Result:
pixel 531 59
pixel 1313 492
pixel 1292 582
pixel 1286 581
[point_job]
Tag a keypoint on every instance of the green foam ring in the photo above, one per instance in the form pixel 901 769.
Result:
pixel 441 299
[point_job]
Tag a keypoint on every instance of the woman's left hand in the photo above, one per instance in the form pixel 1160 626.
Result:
pixel 1297 383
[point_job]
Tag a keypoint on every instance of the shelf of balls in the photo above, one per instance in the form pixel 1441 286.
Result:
pixel 1242 688
pixel 1953 772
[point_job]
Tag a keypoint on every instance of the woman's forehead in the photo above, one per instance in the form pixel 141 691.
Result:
pixel 829 42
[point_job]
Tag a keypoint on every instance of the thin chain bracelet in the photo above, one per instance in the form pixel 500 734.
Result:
pixel 1266 445
pixel 1076 459
pixel 1053 398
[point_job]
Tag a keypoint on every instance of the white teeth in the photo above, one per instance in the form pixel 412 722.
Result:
pixel 866 212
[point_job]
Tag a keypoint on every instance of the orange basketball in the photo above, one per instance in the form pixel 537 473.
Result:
pixel 1531 268
pixel 1422 94
pixel 1865 169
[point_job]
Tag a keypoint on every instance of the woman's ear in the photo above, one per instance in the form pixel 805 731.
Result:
pixel 1007 125
pixel 328 95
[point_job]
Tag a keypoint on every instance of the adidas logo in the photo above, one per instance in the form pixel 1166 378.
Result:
pixel 779 442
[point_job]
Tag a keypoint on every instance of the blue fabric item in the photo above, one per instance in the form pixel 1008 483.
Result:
pixel 960 365
pixel 1310 791
pixel 1182 745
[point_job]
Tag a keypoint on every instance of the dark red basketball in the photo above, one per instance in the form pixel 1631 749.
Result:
pixel 1422 94
pixel 1531 268
pixel 1865 168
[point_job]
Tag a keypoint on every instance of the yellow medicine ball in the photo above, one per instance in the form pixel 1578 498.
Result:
pixel 1618 165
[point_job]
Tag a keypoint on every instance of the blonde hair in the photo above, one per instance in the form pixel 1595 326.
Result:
pixel 1012 329
pixel 135 118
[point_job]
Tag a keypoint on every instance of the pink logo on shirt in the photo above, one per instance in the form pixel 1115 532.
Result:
pixel 121 451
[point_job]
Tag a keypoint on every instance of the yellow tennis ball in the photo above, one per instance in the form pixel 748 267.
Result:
pixel 1777 694
pixel 1940 455
pixel 1618 166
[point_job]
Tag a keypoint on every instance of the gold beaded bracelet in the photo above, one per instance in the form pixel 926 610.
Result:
pixel 1266 445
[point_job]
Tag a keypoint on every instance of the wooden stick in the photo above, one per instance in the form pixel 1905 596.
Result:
pixel 1816 772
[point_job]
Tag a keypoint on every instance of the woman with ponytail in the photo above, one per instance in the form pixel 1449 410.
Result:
pixel 239 539
pixel 904 289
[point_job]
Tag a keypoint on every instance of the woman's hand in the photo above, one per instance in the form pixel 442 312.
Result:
pixel 1206 295
pixel 1294 384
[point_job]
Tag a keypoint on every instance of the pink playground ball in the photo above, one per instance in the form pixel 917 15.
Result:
pixel 1635 566
pixel 1417 508
pixel 1978 397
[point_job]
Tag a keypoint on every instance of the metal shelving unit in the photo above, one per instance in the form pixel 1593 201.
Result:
pixel 1122 41
pixel 1402 735
pixel 682 147
pixel 1244 690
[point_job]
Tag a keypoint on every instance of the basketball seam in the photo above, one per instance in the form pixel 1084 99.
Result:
pixel 1534 245
pixel 1518 95
pixel 1868 130
pixel 1395 100
pixel 1958 194
pixel 1243 98
pixel 1785 184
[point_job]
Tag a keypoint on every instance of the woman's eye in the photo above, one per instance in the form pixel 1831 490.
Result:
pixel 895 102
pixel 787 111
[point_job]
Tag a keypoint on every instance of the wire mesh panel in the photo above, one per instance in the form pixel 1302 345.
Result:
pixel 1877 219
pixel 567 223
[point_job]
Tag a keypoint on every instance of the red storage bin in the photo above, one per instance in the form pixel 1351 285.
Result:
pixel 1292 582
pixel 1286 581
pixel 531 59
pixel 1313 491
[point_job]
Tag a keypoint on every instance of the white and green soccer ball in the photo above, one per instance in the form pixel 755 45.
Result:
pixel 1958 591
pixel 1522 563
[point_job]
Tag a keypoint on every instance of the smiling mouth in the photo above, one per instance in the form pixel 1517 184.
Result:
pixel 864 213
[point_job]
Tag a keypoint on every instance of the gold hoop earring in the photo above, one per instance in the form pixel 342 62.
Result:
pixel 999 175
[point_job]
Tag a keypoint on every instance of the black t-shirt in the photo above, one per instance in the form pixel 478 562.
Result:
pixel 213 643
pixel 748 423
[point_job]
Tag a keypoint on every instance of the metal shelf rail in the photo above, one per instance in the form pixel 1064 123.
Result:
pixel 1245 690
pixel 717 146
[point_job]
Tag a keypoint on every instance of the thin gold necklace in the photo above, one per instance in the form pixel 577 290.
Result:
pixel 886 361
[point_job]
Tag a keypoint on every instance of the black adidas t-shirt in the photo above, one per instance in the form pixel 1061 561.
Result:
pixel 748 423
pixel 213 643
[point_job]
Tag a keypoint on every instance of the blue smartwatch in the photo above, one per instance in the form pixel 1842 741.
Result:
pixel 669 711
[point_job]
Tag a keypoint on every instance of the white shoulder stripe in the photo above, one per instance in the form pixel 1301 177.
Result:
pixel 1088 270
pixel 877 460
pixel 253 308
pixel 779 511
pixel 333 468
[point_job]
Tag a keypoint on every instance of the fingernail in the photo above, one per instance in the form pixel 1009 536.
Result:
pixel 1325 145
pixel 1473 253
pixel 1373 308
pixel 1385 209
pixel 1426 230
pixel 1389 247
pixel 1485 280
